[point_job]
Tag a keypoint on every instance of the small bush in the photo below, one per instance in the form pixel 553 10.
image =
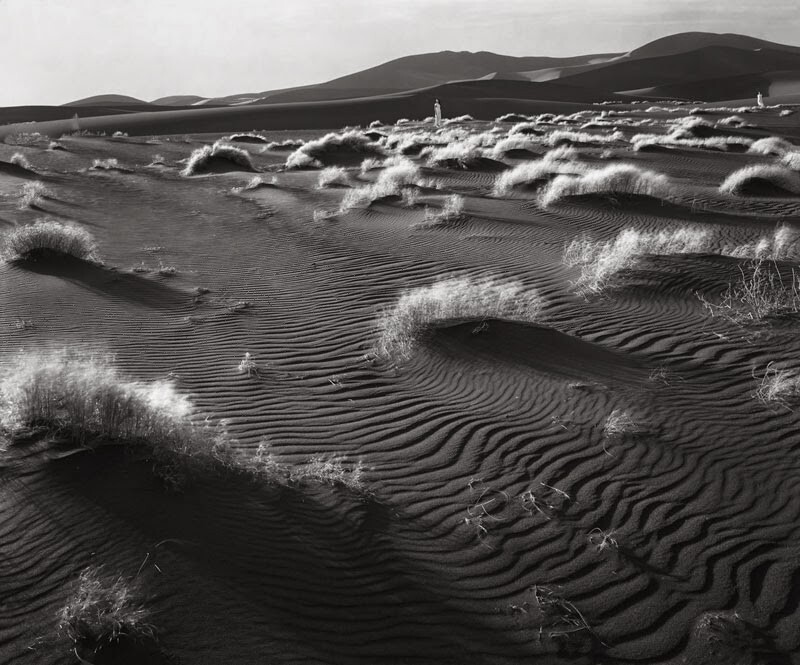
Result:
pixel 792 160
pixel 447 301
pixel 771 145
pixel 518 142
pixel 525 129
pixel 762 292
pixel 512 117
pixel 247 137
pixel 316 153
pixel 46 238
pixel 535 173
pixel 18 159
pixel 761 179
pixel 452 211
pixel 734 121
pixel 333 175
pixel 458 120
pixel 785 112
pixel 564 136
pixel 675 140
pixel 104 609
pixel 219 154
pixel 32 194
pixel 611 182
pixel 398 175
pixel 599 262
pixel 781 386
pixel 25 139
pixel 288 144
pixel 110 164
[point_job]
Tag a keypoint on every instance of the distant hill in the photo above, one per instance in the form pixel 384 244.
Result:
pixel 105 100
pixel 691 41
pixel 179 100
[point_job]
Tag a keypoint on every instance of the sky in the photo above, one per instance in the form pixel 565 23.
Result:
pixel 56 51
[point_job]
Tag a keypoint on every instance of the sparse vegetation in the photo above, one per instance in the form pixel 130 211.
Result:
pixel 536 173
pixel 218 155
pixel 333 175
pixel 398 175
pixel 600 262
pixel 779 386
pixel 772 145
pixel 104 609
pixel 451 211
pixel 611 182
pixel 32 194
pixel 18 159
pixel 49 238
pixel 331 146
pixel 450 301
pixel 762 179
pixel 109 164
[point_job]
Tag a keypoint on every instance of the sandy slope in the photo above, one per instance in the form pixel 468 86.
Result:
pixel 702 503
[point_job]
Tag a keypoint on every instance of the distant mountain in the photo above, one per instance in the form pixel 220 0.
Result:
pixel 689 65
pixel 105 100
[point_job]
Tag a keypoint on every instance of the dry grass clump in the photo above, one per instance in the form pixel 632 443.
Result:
pixel 451 300
pixel 734 121
pixel 762 292
pixel 330 471
pixel 792 160
pixel 512 117
pixel 611 182
pixel 333 175
pixel 255 182
pixel 104 609
pixel 316 152
pixel 782 245
pixel 785 112
pixel 451 211
pixel 32 194
pixel 762 180
pixel 288 144
pixel 457 120
pixel 771 145
pixel 18 159
pixel 565 136
pixel 412 143
pixel 83 398
pixel 370 164
pixel 247 137
pixel 722 143
pixel 526 129
pixel 49 238
pixel 558 161
pixel 25 139
pixel 206 158
pixel 398 175
pixel 779 385
pixel 518 142
pixel 461 154
pixel 600 261
pixel 109 164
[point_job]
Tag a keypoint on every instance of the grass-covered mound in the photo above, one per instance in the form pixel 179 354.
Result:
pixel 762 180
pixel 218 158
pixel 48 238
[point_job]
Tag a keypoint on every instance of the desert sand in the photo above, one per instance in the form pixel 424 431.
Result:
pixel 595 477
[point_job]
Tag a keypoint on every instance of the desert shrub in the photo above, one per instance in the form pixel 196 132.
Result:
pixel 734 121
pixel 411 143
pixel 564 136
pixel 18 159
pixel 204 159
pixel 785 112
pixel 792 160
pixel 451 211
pixel 518 142
pixel 779 385
pixel 761 292
pixel 556 162
pixel 611 181
pixel 761 179
pixel 85 399
pixel 330 471
pixel 398 175
pixel 771 145
pixel 369 164
pixel 464 154
pixel 255 182
pixel 47 237
pixel 315 153
pixel 512 117
pixel 55 145
pixel 375 123
pixel 32 194
pixel 525 129
pixel 103 609
pixel 333 175
pixel 620 423
pixel 288 144
pixel 782 245
pixel 675 140
pixel 600 261
pixel 451 300
pixel 247 137
pixel 457 120
pixel 25 139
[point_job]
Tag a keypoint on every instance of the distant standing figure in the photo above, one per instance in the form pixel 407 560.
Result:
pixel 437 113
pixel 760 100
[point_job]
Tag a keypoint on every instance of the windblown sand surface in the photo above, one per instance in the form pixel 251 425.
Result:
pixel 441 559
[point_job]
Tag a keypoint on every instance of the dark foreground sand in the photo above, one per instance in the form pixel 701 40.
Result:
pixel 702 504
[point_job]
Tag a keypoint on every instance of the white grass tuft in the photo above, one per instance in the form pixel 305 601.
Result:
pixel 314 153
pixel 451 300
pixel 779 385
pixel 32 194
pixel 556 162
pixel 49 238
pixel 203 158
pixel 398 174
pixel 600 261
pixel 615 180
pixel 451 211
pixel 772 145
pixel 792 160
pixel 566 136
pixel 18 159
pixel 756 178
pixel 333 175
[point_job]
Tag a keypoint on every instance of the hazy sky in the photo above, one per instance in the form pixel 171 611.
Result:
pixel 55 51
